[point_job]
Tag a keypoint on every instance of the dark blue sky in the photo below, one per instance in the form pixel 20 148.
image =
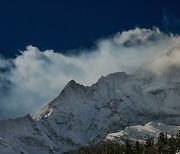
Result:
pixel 66 24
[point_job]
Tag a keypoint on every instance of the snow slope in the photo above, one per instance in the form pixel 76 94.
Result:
pixel 22 135
pixel 142 132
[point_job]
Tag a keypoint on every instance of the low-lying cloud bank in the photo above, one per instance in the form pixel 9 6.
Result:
pixel 34 77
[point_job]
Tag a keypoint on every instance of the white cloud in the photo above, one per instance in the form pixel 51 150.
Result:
pixel 37 77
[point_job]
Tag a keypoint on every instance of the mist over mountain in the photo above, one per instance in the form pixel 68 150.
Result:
pixel 32 79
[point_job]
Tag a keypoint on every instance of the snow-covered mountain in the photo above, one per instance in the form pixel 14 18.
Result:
pixel 142 132
pixel 82 115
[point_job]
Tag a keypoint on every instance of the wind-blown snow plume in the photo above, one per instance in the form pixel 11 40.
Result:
pixel 165 62
pixel 35 77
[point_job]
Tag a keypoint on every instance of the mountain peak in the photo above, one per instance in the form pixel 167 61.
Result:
pixel 71 84
pixel 113 77
pixel 117 75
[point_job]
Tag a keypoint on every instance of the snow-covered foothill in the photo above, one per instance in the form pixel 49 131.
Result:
pixel 142 132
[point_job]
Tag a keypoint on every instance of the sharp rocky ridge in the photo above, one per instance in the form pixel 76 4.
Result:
pixel 83 115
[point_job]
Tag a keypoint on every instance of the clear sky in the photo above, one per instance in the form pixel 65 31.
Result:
pixel 63 25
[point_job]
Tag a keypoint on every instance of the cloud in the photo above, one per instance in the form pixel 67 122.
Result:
pixel 34 77
pixel 165 63
pixel 171 22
